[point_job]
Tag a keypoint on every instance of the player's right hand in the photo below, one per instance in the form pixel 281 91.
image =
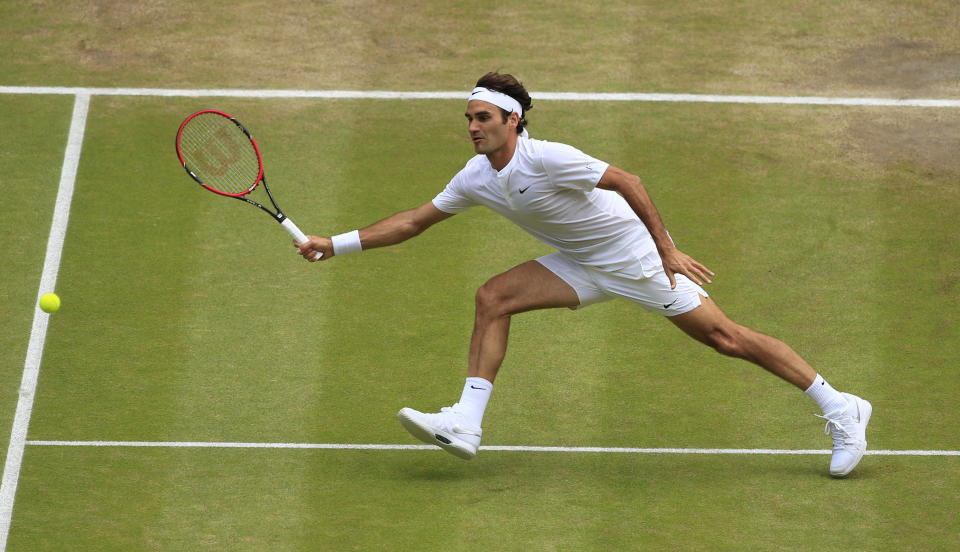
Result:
pixel 315 244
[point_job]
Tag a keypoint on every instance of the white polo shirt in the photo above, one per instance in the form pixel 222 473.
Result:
pixel 549 190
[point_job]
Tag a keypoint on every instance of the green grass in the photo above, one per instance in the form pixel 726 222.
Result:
pixel 890 48
pixel 190 319
pixel 187 317
pixel 162 499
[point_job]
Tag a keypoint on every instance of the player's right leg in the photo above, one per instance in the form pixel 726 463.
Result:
pixel 529 286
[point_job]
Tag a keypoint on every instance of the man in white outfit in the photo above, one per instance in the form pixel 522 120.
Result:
pixel 610 242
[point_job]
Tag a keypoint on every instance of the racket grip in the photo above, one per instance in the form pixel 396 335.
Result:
pixel 297 234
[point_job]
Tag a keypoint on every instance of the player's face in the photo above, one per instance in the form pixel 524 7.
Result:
pixel 487 129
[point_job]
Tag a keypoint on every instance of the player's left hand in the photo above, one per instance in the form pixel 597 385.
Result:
pixel 678 262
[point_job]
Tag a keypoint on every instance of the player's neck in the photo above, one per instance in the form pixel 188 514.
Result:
pixel 502 156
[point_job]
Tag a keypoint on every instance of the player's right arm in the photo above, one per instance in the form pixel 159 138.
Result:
pixel 389 231
pixel 401 226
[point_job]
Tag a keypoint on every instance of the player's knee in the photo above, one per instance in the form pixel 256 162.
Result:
pixel 727 341
pixel 489 300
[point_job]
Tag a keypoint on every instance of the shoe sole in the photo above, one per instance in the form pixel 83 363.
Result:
pixel 444 440
pixel 866 410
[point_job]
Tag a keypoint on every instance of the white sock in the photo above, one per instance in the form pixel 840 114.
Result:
pixel 827 398
pixel 473 401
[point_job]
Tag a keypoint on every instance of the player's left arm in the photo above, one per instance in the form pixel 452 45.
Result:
pixel 674 261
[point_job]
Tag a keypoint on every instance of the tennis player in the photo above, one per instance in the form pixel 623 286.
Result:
pixel 610 243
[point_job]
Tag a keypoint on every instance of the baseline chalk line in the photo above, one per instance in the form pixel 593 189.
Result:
pixel 501 448
pixel 460 95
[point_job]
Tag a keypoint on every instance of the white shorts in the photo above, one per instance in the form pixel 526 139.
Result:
pixel 653 293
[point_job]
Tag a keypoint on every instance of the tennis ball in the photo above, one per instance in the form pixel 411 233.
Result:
pixel 50 302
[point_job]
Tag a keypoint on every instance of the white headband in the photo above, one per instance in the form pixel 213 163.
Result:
pixel 498 99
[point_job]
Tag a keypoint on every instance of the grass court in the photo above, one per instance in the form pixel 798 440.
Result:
pixel 187 319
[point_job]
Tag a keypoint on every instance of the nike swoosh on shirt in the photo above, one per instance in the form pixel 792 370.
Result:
pixel 521 190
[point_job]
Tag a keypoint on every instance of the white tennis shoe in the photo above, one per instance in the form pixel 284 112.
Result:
pixel 849 431
pixel 448 430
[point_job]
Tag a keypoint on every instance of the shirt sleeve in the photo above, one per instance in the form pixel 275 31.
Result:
pixel 570 168
pixel 454 198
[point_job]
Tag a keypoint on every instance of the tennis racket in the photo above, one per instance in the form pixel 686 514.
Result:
pixel 219 153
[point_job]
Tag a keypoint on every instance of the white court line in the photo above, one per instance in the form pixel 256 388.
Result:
pixel 38 333
pixel 455 95
pixel 360 446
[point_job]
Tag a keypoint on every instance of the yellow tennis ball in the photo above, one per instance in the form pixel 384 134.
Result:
pixel 50 302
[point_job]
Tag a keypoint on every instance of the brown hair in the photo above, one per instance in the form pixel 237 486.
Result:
pixel 509 85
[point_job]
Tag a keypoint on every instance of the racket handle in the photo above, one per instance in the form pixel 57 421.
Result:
pixel 297 235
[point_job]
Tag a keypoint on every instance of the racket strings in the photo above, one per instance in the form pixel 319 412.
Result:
pixel 220 154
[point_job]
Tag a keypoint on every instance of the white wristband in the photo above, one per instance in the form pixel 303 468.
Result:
pixel 346 243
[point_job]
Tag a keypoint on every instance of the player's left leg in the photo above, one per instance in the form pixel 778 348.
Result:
pixel 847 415
pixel 709 325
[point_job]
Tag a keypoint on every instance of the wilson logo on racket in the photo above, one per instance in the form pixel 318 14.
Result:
pixel 217 155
